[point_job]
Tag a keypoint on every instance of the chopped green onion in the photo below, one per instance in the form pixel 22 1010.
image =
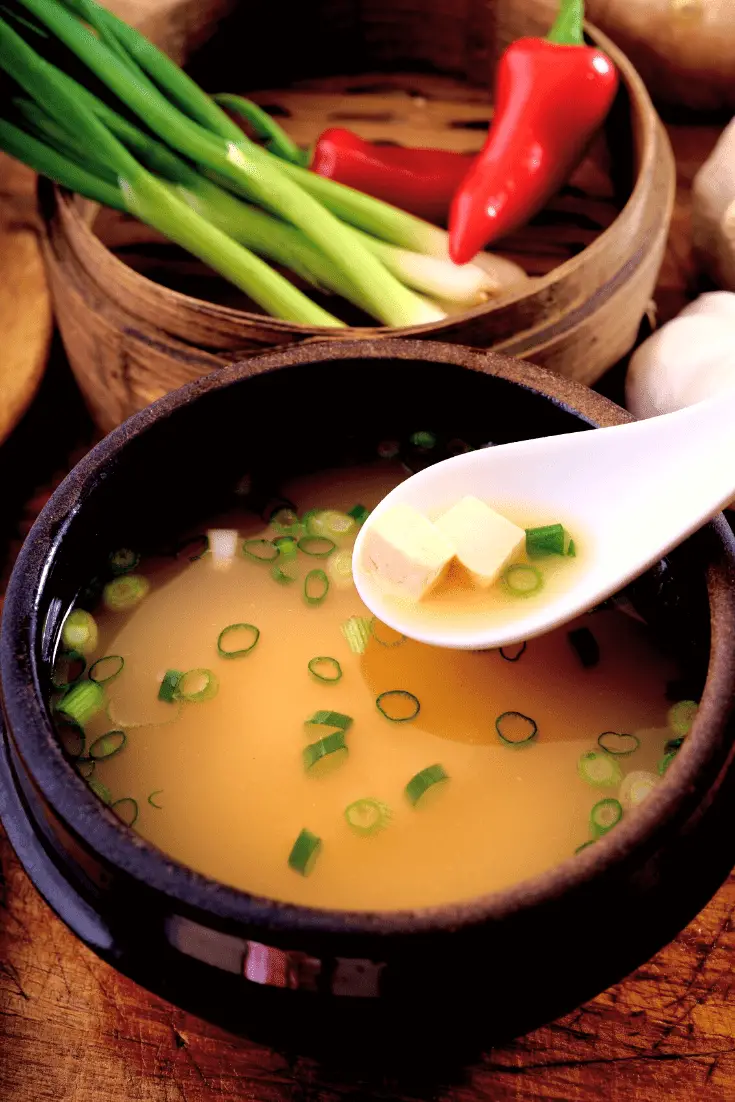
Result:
pixel 126 809
pixel 599 769
pixel 547 540
pixel 106 669
pixel 329 719
pixel 515 728
pixel 572 553
pixel 100 790
pixel 304 852
pixel 424 440
pixel 286 521
pixel 123 561
pixel 673 745
pixel 584 845
pixel 85 768
pixel 423 781
pixel 287 546
pixel 681 717
pixel 152 802
pixel 106 746
pixel 522 580
pixel 357 632
pixel 358 513
pixel 325 747
pixel 394 640
pixel 340 568
pixel 278 574
pixel 125 592
pixel 83 701
pixel 618 743
pixel 71 737
pixel 68 668
pixel 664 763
pixel 317 546
pixel 330 523
pixel 316 587
pixel 79 632
pixel 636 787
pixel 260 550
pixel 169 685
pixel 197 685
pixel 605 815
pixel 513 657
pixel 367 816
pixel 325 668
pixel 585 646
pixel 388 449
pixel 232 650
pixel 397 700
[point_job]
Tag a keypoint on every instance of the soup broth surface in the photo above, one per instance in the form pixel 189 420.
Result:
pixel 226 775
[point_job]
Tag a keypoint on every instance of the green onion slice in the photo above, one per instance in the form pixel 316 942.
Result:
pixel 584 845
pixel 512 657
pixel 169 685
pixel 423 781
pixel 572 553
pixel 126 809
pixel 515 728
pixel 522 580
pixel 85 768
pixel 151 800
pixel 231 638
pixel 106 746
pixel 387 637
pixel 599 769
pixel 286 520
pixel 281 576
pixel 100 790
pixel 325 668
pixel 330 524
pixel 305 852
pixel 287 546
pixel 106 669
pixel 260 550
pixel 125 592
pixel 71 737
pixel 325 747
pixel 123 561
pixel 367 816
pixel 317 546
pixel 423 440
pixel 329 719
pixel 79 632
pixel 585 647
pixel 665 762
pixel 357 632
pixel 359 513
pixel 673 745
pixel 547 540
pixel 197 685
pixel 316 587
pixel 618 743
pixel 340 568
pixel 398 705
pixel 68 668
pixel 83 701
pixel 681 716
pixel 605 815
pixel 636 787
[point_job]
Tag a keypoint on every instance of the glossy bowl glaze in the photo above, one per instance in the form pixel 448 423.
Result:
pixel 498 964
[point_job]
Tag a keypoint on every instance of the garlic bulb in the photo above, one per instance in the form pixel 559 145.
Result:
pixel 713 211
pixel 687 360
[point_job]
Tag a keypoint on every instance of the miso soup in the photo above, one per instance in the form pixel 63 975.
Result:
pixel 246 715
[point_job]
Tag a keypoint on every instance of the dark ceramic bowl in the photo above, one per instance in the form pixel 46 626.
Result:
pixel 506 961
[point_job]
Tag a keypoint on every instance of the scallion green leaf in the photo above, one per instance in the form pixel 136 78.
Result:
pixel 106 746
pixel 515 728
pixel 359 513
pixel 327 747
pixel 398 705
pixel 326 718
pixel 100 790
pixel 599 769
pixel 123 560
pixel 197 685
pixel 680 717
pixel 423 440
pixel 152 801
pixel 106 669
pixel 125 592
pixel 169 685
pixel 547 540
pixel 230 639
pixel 605 815
pixel 522 580
pixel 260 550
pixel 83 701
pixel 304 853
pixel 126 809
pixel 325 669
pixel 618 743
pixel 316 587
pixel 320 547
pixel 512 657
pixel 422 781
pixel 367 816
pixel 79 632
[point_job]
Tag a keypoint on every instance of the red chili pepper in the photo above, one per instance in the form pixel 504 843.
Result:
pixel 551 95
pixel 421 181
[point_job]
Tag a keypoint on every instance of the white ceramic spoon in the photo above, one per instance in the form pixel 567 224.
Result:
pixel 628 493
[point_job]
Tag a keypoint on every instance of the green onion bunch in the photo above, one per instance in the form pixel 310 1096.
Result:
pixel 89 102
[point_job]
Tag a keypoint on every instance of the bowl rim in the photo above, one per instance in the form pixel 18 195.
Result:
pixel 120 847
pixel 648 136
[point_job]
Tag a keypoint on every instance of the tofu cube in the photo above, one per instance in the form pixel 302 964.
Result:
pixel 407 552
pixel 484 540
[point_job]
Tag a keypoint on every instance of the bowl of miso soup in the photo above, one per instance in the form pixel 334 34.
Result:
pixel 245 791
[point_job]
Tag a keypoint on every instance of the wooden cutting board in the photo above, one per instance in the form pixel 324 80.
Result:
pixel 25 307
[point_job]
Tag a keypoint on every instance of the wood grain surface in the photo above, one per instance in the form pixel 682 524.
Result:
pixel 73 1030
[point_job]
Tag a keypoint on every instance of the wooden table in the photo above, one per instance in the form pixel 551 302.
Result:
pixel 73 1030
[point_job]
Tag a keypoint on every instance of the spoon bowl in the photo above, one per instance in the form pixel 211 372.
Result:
pixel 628 494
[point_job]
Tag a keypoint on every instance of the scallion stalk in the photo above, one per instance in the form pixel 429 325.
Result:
pixel 423 781
pixel 82 702
pixel 367 816
pixel 305 852
pixel 79 632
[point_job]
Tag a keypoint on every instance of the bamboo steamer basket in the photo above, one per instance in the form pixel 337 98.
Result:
pixel 421 76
